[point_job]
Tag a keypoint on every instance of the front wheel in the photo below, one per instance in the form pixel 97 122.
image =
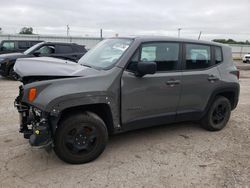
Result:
pixel 80 138
pixel 218 114
pixel 12 73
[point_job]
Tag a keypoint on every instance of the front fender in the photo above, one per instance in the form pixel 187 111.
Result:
pixel 101 87
pixel 60 104
pixel 57 106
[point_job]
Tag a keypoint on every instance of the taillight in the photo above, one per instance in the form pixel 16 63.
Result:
pixel 32 94
pixel 236 73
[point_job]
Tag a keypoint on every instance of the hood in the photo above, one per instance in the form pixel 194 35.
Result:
pixel 47 66
pixel 12 56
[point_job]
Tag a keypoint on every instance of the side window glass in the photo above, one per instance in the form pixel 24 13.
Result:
pixel 8 45
pixel 148 53
pixel 165 54
pixel 218 55
pixel 64 49
pixel 197 56
pixel 45 50
pixel 23 45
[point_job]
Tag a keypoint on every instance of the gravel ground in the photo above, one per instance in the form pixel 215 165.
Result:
pixel 180 155
pixel 242 66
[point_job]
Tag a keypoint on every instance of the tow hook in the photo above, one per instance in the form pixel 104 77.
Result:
pixel 41 135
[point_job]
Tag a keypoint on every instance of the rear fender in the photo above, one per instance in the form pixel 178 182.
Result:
pixel 233 88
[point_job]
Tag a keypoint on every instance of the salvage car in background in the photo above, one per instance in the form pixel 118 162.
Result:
pixel 11 46
pixel 69 51
pixel 246 58
pixel 36 69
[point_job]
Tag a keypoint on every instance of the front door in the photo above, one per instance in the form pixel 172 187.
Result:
pixel 152 99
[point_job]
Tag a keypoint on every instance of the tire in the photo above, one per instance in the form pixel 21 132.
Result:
pixel 79 129
pixel 11 73
pixel 217 115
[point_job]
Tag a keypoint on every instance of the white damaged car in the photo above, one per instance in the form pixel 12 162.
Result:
pixel 46 68
pixel 246 58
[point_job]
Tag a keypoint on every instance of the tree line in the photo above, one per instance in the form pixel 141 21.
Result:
pixel 231 41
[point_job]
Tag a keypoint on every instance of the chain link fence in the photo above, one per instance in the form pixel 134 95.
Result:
pixel 238 50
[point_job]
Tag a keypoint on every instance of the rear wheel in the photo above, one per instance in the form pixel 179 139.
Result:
pixel 218 114
pixel 80 138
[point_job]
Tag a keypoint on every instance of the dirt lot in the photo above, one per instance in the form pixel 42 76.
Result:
pixel 181 155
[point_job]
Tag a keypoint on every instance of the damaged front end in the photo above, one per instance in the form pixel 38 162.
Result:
pixel 33 123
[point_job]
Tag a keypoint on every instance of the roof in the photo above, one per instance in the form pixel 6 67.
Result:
pixel 61 43
pixel 173 39
pixel 13 40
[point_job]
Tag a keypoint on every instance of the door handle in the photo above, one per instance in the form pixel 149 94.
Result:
pixel 172 83
pixel 213 78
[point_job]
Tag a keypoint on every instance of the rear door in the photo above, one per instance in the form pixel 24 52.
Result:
pixel 23 45
pixel 152 99
pixel 200 78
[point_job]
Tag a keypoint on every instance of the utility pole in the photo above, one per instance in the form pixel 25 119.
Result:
pixel 200 35
pixel 179 32
pixel 101 33
pixel 68 30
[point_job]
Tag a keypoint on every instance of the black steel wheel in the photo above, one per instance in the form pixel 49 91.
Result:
pixel 80 138
pixel 218 114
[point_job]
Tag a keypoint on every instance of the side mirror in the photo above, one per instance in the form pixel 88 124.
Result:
pixel 37 54
pixel 144 68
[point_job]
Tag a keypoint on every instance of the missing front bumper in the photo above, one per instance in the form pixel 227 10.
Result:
pixel 40 137
pixel 33 127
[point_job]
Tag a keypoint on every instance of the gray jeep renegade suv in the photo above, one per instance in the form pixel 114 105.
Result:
pixel 126 84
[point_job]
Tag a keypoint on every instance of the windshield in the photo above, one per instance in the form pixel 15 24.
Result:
pixel 28 51
pixel 106 53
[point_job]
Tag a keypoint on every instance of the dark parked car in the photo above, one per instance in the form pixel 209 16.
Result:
pixel 11 46
pixel 127 84
pixel 68 51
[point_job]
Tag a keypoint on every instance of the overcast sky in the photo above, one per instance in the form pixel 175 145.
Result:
pixel 215 18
